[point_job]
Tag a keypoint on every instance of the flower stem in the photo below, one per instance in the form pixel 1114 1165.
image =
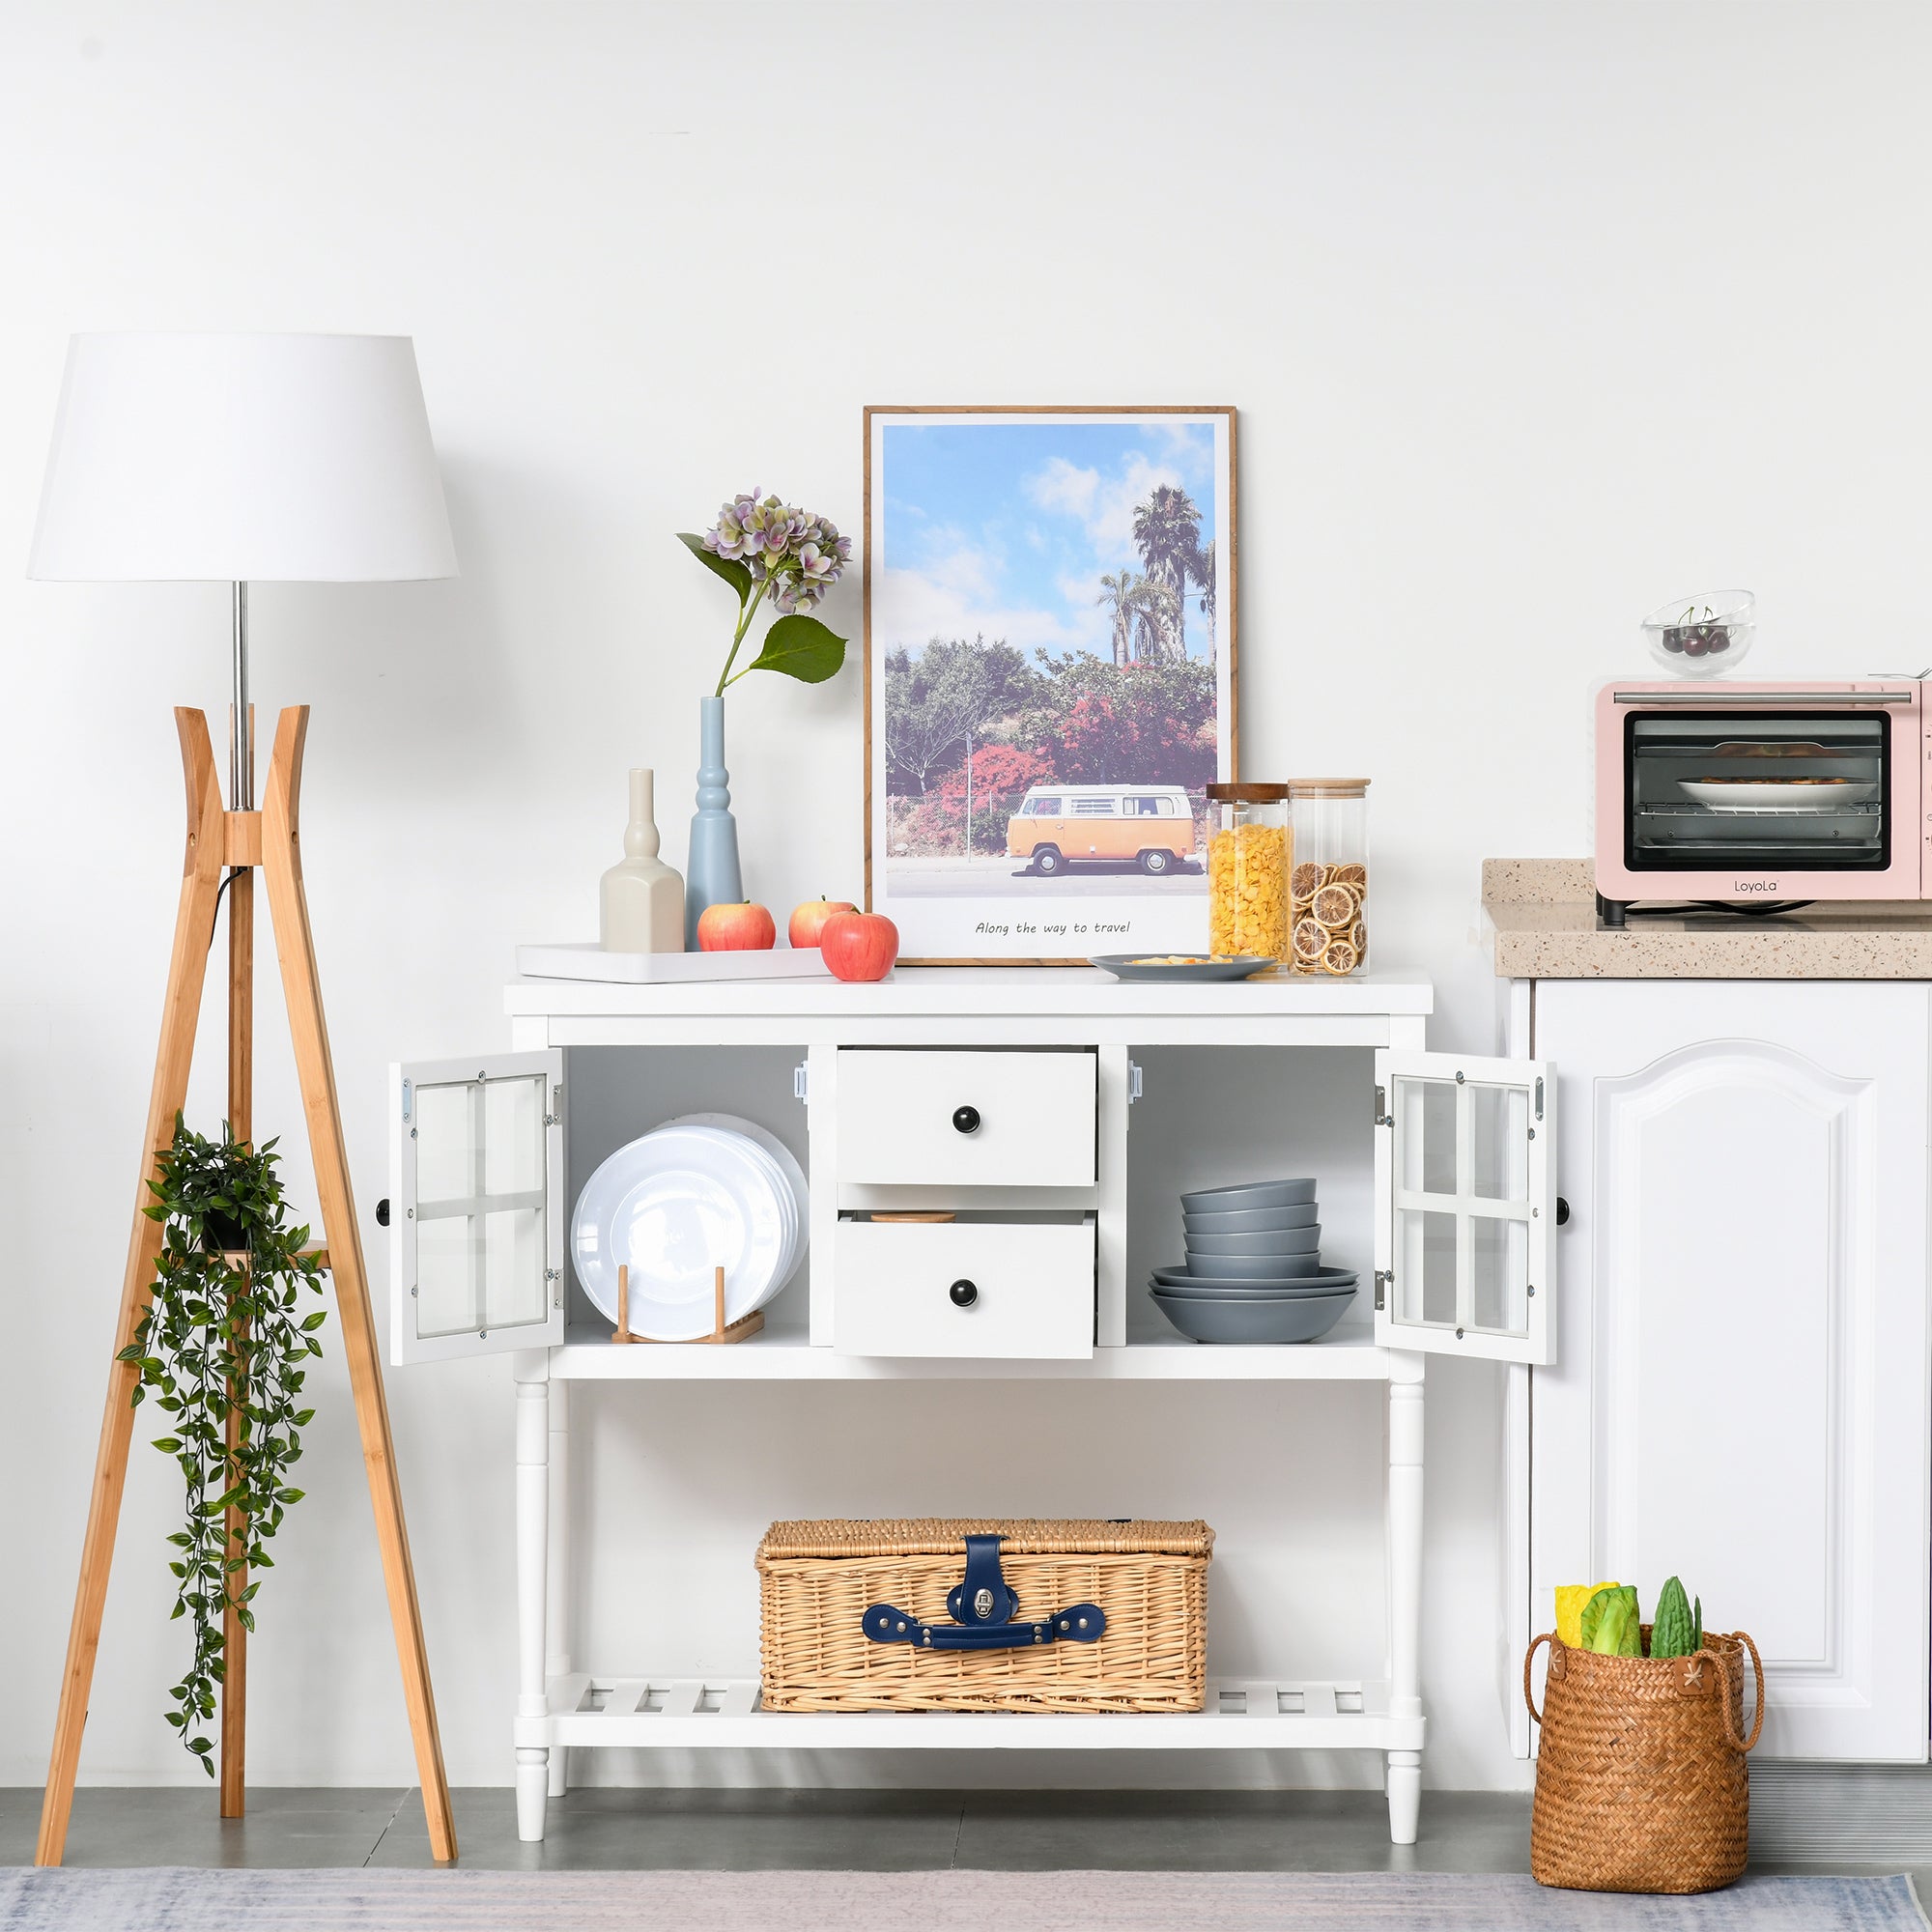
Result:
pixel 745 617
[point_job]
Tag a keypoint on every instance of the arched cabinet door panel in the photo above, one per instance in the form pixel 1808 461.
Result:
pixel 1739 1390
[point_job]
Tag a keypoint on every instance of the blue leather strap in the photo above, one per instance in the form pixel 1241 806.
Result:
pixel 1078 1622
pixel 982 1609
pixel 985 1597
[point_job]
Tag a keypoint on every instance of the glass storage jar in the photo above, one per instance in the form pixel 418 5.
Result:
pixel 1329 898
pixel 1250 849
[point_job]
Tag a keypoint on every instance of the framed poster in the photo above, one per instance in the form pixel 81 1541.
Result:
pixel 1049 658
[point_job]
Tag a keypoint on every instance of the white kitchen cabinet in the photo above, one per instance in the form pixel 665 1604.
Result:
pixel 1739 1393
pixel 1005 1098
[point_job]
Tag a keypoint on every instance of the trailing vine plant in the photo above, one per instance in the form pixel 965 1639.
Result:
pixel 224 1334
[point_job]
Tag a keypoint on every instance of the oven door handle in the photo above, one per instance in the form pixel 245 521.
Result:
pixel 1718 699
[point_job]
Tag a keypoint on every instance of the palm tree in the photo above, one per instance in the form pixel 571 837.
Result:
pixel 1118 592
pixel 1167 532
pixel 1156 609
pixel 1200 567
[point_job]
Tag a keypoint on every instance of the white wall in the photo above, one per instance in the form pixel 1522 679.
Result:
pixel 1535 315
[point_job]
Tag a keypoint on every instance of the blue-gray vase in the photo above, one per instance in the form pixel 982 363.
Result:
pixel 711 874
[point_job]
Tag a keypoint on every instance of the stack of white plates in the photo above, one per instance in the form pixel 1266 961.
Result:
pixel 700 1192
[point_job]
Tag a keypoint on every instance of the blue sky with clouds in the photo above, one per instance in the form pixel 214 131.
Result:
pixel 1003 528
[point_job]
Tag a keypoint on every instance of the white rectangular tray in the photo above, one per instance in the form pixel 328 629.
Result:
pixel 582 960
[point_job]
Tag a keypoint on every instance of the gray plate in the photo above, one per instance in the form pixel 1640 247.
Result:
pixel 1296 1271
pixel 1185 1290
pixel 1133 966
pixel 1305 1320
pixel 1249 1194
pixel 1248 1221
pixel 1274 1242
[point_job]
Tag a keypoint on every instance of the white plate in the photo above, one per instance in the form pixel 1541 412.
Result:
pixel 674 1206
pixel 788 1165
pixel 1779 794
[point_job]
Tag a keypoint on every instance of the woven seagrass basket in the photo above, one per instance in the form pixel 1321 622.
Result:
pixel 1640 1779
pixel 817 1579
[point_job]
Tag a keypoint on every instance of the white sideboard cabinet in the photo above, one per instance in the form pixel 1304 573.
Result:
pixel 1016 1099
pixel 1739 1393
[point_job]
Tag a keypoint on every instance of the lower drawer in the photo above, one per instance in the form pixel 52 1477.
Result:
pixel 1006 1289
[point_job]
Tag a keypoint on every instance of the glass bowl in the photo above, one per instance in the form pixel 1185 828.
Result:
pixel 1704 636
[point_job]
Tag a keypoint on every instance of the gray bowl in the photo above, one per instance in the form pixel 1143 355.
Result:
pixel 1305 1320
pixel 1332 1282
pixel 1249 1220
pixel 1271 1241
pixel 1296 1271
pixel 1249 1194
pixel 1253 1268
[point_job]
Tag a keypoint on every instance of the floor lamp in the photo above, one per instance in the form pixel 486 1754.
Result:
pixel 240 458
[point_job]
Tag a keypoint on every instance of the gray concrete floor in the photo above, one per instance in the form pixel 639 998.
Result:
pixel 597 1828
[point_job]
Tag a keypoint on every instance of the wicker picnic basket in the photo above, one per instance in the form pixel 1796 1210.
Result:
pixel 1641 1779
pixel 881 1617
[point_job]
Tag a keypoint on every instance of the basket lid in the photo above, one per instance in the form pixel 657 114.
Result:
pixel 1019 1536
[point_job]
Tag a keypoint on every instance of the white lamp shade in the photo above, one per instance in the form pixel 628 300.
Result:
pixel 250 458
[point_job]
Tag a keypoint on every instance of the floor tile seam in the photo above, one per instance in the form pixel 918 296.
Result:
pixel 389 1826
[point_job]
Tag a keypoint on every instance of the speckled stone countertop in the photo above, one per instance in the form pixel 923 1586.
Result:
pixel 1542 917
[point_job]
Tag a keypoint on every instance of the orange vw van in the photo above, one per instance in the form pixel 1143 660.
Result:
pixel 1058 826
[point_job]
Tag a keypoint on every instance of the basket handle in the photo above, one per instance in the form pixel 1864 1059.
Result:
pixel 1731 1738
pixel 1529 1658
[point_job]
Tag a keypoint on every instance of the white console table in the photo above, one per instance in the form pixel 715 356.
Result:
pixel 914 1028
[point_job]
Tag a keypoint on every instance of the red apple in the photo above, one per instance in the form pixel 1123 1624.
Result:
pixel 736 929
pixel 807 920
pixel 859 945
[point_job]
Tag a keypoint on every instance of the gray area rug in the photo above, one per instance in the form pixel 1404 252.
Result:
pixel 176 1900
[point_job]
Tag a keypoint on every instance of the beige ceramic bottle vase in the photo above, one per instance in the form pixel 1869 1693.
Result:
pixel 642 908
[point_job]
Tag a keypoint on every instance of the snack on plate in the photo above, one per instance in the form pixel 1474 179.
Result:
pixel 1329 934
pixel 1247 891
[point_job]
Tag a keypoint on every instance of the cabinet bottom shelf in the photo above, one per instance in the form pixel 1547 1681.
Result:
pixel 1243 1714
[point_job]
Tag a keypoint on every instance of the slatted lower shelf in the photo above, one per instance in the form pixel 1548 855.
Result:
pixel 725 1714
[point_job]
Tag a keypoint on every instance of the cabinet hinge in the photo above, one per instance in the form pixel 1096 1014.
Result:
pixel 1383 1118
pixel 1539 1100
pixel 1384 1281
pixel 555 1118
pixel 556 1275
pixel 1133 1081
pixel 801 1083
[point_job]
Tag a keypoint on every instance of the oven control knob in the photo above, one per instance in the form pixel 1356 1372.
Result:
pixel 963 1294
pixel 966 1120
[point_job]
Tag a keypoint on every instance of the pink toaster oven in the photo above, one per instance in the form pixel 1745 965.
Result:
pixel 1750 794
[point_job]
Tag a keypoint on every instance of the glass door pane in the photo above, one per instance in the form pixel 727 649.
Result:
pixel 1461 1174
pixel 477 1234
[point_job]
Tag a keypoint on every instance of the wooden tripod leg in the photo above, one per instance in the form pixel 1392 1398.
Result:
pixel 241 1124
pixel 240 1109
pixel 281 872
pixel 194 931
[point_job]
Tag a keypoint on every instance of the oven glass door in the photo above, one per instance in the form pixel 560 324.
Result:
pixel 1773 792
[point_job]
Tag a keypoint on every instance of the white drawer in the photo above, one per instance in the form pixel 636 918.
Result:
pixel 906 1116
pixel 1031 1289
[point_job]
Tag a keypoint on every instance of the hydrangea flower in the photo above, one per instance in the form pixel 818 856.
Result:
pixel 794 555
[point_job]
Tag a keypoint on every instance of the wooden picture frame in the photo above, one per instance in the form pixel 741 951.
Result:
pixel 1080 488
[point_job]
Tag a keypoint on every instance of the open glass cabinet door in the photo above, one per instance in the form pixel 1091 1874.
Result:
pixel 1463 1205
pixel 476 1206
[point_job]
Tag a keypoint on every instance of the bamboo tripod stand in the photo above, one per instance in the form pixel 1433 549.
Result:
pixel 245 841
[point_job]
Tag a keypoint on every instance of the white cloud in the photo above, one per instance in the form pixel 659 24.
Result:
pixel 1065 487
pixel 955 595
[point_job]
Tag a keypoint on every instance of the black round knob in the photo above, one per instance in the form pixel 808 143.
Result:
pixel 963 1294
pixel 966 1120
pixel 1562 1211
pixel 382 1213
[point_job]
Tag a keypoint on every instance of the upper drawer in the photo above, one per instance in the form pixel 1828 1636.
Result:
pixel 922 1116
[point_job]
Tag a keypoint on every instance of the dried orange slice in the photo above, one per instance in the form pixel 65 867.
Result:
pixel 1359 938
pixel 1303 880
pixel 1339 957
pixel 1352 875
pixel 1335 908
pixel 1311 940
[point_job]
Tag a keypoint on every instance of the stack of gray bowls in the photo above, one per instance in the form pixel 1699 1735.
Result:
pixel 1252 1271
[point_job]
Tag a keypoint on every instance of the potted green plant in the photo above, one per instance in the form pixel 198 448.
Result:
pixel 224 1337
pixel 768 552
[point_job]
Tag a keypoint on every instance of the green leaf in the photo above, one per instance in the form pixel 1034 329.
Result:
pixel 314 1322
pixel 801 647
pixel 736 574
